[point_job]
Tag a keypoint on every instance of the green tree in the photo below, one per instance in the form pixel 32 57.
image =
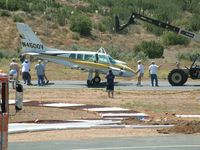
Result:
pixel 194 23
pixel 81 24
pixel 170 38
pixel 152 49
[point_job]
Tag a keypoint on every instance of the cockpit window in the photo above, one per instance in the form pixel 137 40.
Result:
pixel 72 56
pixel 112 61
pixel 103 59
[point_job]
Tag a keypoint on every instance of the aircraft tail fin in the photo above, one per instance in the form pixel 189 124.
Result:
pixel 29 41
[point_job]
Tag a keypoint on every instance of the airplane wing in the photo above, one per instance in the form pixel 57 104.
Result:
pixel 32 54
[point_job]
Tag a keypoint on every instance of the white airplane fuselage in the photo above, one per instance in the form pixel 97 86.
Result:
pixel 84 60
pixel 92 62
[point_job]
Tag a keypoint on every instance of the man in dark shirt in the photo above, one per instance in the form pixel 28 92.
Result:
pixel 110 84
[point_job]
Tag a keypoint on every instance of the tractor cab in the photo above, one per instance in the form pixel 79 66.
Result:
pixel 194 69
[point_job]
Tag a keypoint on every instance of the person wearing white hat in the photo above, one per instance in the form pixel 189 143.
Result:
pixel 40 73
pixel 140 72
pixel 26 72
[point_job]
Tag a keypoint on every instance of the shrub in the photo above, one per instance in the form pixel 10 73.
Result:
pixel 76 36
pixel 154 29
pixel 5 13
pixel 101 27
pixel 140 56
pixel 194 23
pixel 117 53
pixel 108 23
pixel 170 38
pixel 152 49
pixel 18 19
pixel 11 5
pixel 1 55
pixel 188 56
pixel 61 15
pixel 81 24
pixel 167 11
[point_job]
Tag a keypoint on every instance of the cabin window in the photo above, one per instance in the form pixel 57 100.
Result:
pixel 72 56
pixel 103 59
pixel 88 57
pixel 80 56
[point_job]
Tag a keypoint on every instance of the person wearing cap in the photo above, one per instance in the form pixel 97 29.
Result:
pixel 153 69
pixel 26 72
pixel 110 84
pixel 40 73
pixel 14 69
pixel 140 72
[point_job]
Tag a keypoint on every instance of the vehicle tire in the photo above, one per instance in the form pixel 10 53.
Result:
pixel 177 77
pixel 96 80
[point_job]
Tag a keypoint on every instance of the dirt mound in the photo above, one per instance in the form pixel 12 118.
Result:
pixel 186 127
pixel 180 126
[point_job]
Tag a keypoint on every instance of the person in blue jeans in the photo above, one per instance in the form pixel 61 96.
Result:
pixel 110 84
pixel 40 73
pixel 153 69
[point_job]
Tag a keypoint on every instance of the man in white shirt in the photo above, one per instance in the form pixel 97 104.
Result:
pixel 153 69
pixel 140 72
pixel 26 72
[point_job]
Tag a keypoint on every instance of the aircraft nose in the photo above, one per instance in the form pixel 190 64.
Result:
pixel 130 73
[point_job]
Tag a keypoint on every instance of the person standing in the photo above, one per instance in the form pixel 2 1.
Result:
pixel 40 73
pixel 26 72
pixel 110 84
pixel 44 65
pixel 140 72
pixel 153 69
pixel 178 65
pixel 14 67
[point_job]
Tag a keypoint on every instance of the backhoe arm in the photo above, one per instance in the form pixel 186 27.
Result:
pixel 155 22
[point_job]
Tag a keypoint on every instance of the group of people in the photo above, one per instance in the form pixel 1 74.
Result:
pixel 25 72
pixel 40 71
pixel 153 69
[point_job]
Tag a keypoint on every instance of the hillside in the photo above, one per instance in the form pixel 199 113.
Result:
pixel 52 21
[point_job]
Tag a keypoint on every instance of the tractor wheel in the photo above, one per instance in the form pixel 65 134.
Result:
pixel 177 77
pixel 96 80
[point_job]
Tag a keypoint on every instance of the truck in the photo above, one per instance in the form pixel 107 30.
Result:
pixel 178 76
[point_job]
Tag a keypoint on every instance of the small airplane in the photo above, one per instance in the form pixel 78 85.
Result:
pixel 93 62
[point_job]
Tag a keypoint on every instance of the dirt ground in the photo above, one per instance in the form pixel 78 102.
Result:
pixel 161 106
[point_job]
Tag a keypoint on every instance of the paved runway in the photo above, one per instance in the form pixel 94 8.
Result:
pixel 172 142
pixel 124 85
